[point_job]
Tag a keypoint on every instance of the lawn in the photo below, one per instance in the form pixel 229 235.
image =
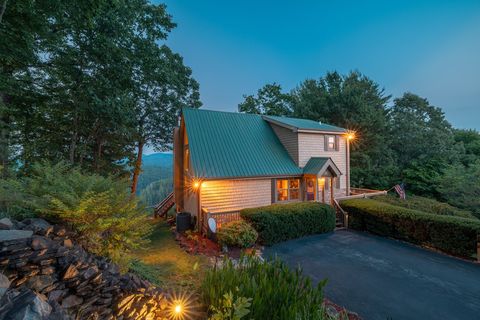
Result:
pixel 165 263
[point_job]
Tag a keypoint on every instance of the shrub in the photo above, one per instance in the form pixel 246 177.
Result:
pixel 107 219
pixel 451 234
pixel 276 292
pixel 426 205
pixel 237 234
pixel 280 222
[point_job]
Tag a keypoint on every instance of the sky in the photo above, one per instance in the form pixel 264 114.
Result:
pixel 431 48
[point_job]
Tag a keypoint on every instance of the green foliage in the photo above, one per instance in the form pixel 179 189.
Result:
pixel 156 192
pixel 100 209
pixel 230 308
pixel 281 222
pixel 470 140
pixel 451 234
pixel 460 186
pixel 426 205
pixel 237 234
pixel 276 291
pixel 88 82
pixel 270 100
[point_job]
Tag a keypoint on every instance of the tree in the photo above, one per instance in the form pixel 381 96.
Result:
pixel 164 86
pixel 459 186
pixel 470 140
pixel 270 100
pixel 354 102
pixel 422 141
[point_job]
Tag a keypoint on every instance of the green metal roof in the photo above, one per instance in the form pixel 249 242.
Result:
pixel 304 124
pixel 317 165
pixel 227 145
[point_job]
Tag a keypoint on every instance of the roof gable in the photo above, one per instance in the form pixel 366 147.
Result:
pixel 228 145
pixel 318 165
pixel 303 124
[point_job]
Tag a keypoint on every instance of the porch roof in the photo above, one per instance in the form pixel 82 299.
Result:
pixel 318 165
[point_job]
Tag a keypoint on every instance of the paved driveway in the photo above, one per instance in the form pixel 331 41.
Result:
pixel 386 279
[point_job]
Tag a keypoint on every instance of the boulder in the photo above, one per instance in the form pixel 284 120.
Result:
pixel 39 243
pixel 26 305
pixel 12 235
pixel 38 283
pixel 6 224
pixel 38 226
pixel 4 284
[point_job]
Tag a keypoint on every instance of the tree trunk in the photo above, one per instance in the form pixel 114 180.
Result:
pixel 138 167
pixel 2 10
pixel 73 143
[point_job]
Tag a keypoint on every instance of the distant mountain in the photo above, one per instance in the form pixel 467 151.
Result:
pixel 160 159
pixel 156 177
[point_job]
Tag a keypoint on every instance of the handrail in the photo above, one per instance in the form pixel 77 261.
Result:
pixel 342 212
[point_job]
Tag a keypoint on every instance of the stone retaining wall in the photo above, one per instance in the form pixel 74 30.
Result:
pixel 45 275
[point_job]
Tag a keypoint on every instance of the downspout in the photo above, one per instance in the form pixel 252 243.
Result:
pixel 348 165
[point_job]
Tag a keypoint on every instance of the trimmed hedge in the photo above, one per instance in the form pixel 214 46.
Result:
pixel 281 222
pixel 425 205
pixel 454 235
pixel 237 234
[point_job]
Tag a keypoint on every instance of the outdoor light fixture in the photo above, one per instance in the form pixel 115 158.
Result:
pixel 196 184
pixel 182 307
pixel 351 135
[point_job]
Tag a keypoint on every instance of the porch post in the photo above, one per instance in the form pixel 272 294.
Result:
pixel 331 189
pixel 348 166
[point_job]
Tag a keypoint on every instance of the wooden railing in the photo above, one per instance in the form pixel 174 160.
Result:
pixel 220 218
pixel 163 207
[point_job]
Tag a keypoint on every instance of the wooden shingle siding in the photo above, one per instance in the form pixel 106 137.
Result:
pixel 313 145
pixel 289 139
pixel 234 195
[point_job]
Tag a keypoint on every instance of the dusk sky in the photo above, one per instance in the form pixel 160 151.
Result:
pixel 431 48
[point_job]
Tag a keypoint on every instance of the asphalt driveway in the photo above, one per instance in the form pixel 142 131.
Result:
pixel 386 279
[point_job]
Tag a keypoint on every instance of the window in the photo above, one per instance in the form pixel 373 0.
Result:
pixel 186 158
pixel 288 189
pixel 331 143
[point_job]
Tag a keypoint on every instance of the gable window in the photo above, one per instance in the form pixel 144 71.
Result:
pixel 288 189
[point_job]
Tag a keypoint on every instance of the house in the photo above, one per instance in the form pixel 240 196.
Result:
pixel 224 162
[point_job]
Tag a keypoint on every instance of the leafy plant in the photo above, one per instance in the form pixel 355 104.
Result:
pixel 451 234
pixel 276 292
pixel 237 234
pixel 230 308
pixel 282 222
pixel 107 219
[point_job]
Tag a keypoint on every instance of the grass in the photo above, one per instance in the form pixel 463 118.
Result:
pixel 166 264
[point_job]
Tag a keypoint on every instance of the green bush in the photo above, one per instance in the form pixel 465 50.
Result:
pixel 450 234
pixel 280 222
pixel 426 205
pixel 237 234
pixel 100 209
pixel 276 292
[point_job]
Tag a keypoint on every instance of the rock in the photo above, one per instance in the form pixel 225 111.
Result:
pixel 59 231
pixel 27 306
pixel 70 273
pixel 6 224
pixel 68 243
pixel 38 226
pixel 38 283
pixel 71 301
pixel 9 235
pixel 4 284
pixel 90 272
pixel 39 243
pixel 56 295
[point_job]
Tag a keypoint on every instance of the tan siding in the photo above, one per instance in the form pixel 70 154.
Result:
pixel 234 195
pixel 313 145
pixel 289 139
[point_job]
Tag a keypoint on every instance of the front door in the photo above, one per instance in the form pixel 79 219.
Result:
pixel 310 189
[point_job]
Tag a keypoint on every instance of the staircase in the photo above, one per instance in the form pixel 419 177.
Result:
pixel 340 215
pixel 162 208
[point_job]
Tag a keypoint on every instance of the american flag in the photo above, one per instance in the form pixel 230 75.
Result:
pixel 400 188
